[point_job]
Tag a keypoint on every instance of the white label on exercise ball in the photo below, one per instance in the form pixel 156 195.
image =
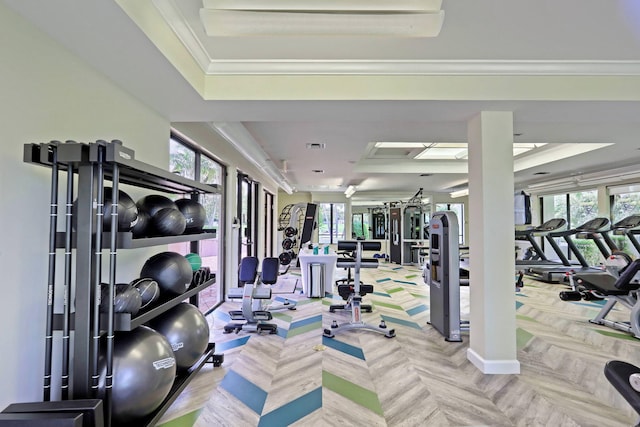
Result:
pixel 177 346
pixel 164 363
pixel 634 381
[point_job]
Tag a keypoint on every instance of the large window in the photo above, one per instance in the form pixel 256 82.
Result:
pixel 576 208
pixel 331 222
pixel 360 225
pixel 458 208
pixel 188 161
pixel 624 203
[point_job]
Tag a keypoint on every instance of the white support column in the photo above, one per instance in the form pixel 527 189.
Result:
pixel 492 347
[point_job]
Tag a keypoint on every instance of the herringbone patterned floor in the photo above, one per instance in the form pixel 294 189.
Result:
pixel 362 378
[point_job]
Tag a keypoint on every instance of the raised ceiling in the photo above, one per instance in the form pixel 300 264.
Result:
pixel 570 72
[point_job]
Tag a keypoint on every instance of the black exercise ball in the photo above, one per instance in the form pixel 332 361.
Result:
pixel 194 213
pixel 148 289
pixel 127 299
pixel 140 228
pixel 127 211
pixel 143 373
pixel 171 270
pixel 154 202
pixel 187 330
pixel 168 222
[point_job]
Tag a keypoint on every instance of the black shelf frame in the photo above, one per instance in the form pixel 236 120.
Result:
pixel 132 171
pixel 118 165
pixel 126 241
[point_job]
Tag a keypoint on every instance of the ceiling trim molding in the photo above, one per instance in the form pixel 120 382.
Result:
pixel 426 67
pixel 176 20
pixel 210 66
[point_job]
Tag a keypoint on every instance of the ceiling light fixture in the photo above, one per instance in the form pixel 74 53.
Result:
pixel 350 191
pixel 398 18
pixel 459 193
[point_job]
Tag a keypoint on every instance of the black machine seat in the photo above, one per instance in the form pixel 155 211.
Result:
pixel 351 262
pixel 248 270
pixel 270 270
pixel 609 285
pixel 619 373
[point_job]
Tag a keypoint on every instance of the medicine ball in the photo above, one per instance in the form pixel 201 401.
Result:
pixel 140 228
pixel 127 299
pixel 187 330
pixel 154 202
pixel 144 369
pixel 171 270
pixel 148 289
pixel 194 213
pixel 195 260
pixel 167 222
pixel 127 211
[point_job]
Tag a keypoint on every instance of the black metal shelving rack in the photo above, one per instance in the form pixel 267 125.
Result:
pixel 119 166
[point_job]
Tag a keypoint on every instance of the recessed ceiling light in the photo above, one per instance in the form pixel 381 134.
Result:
pixel 316 146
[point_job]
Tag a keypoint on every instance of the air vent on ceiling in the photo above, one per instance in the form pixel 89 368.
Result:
pixel 316 146
pixel 541 173
pixel 317 170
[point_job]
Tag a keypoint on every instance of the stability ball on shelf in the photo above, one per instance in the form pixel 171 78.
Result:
pixel 143 373
pixel 187 330
pixel 194 213
pixel 171 270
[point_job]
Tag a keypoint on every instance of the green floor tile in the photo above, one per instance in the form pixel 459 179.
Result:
pixel 351 391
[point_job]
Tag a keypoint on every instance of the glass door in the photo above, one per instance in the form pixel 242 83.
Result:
pixel 247 216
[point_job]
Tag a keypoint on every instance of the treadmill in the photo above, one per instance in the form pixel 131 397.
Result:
pixel 629 227
pixel 592 229
pixel 539 258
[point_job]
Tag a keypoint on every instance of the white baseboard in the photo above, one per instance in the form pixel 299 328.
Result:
pixel 493 366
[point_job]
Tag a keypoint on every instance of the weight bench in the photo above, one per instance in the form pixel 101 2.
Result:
pixel 621 290
pixel 254 320
pixel 352 293
pixel 269 276
pixel 625 378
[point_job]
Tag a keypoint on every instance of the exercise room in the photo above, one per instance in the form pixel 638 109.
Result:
pixel 402 213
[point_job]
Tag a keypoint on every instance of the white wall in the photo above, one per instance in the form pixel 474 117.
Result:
pixel 47 93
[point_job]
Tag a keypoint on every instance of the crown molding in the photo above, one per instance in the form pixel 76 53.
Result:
pixel 211 66
pixel 425 67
